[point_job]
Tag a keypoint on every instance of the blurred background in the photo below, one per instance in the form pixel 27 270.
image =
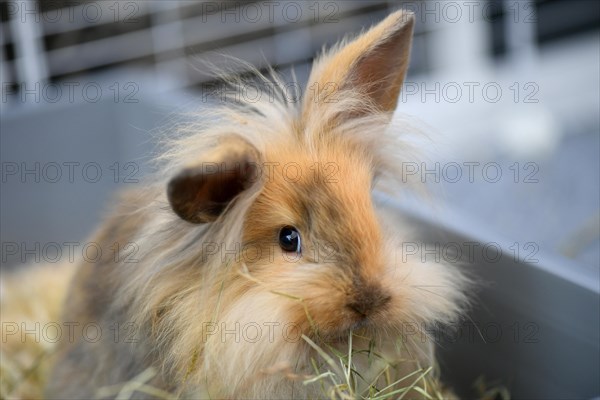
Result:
pixel 508 92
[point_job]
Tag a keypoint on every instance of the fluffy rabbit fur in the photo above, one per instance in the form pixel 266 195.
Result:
pixel 212 302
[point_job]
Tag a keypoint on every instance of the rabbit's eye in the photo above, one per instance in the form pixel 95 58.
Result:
pixel 289 239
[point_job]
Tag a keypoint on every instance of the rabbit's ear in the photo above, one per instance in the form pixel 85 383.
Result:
pixel 200 193
pixel 374 63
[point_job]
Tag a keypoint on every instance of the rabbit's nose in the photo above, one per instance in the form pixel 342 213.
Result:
pixel 368 300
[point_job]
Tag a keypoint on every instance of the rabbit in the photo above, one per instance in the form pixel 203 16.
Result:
pixel 259 253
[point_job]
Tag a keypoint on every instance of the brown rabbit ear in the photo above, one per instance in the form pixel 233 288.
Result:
pixel 200 193
pixel 374 63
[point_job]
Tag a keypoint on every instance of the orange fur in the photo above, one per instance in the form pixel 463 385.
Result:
pixel 215 262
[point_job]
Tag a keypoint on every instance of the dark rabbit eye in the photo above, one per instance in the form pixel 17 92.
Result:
pixel 289 239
